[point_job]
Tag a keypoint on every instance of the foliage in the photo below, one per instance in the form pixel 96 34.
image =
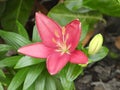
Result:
pixel 20 72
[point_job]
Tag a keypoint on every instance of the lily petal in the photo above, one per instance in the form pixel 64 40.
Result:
pixel 56 62
pixel 74 31
pixel 78 57
pixel 48 29
pixel 37 50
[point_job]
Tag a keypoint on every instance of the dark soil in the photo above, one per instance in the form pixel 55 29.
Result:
pixel 104 75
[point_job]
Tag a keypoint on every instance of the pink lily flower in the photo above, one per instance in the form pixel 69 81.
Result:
pixel 58 44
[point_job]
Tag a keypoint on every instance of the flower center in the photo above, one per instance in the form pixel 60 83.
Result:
pixel 62 46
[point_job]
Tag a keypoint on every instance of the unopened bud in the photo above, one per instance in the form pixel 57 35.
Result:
pixel 95 44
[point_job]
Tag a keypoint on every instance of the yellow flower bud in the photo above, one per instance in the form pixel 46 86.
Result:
pixel 95 44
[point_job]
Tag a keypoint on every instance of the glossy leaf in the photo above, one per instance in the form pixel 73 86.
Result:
pixel 9 61
pixel 50 83
pixel 85 29
pixel 35 36
pixel 18 79
pixel 73 72
pixel 58 84
pixel 32 75
pixel 76 6
pixel 1 87
pixel 16 10
pixel 67 16
pixel 32 87
pixel 99 55
pixel 27 61
pixel 14 39
pixel 5 47
pixel 40 82
pixel 67 85
pixel 21 30
pixel 109 7
pixel 2 74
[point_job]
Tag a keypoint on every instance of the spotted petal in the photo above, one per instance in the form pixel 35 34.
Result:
pixel 37 50
pixel 78 57
pixel 48 29
pixel 56 62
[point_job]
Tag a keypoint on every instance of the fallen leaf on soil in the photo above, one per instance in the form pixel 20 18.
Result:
pixel 117 42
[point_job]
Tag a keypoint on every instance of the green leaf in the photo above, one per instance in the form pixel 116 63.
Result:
pixel 45 82
pixel 109 7
pixel 1 87
pixel 27 61
pixel 50 83
pixel 9 61
pixel 67 85
pixel 99 55
pixel 67 16
pixel 14 39
pixel 3 55
pixel 21 30
pixel 73 72
pixel 32 87
pixel 16 10
pixel 2 74
pixel 5 47
pixel 35 36
pixel 40 82
pixel 76 6
pixel 2 6
pixel 32 75
pixel 18 79
pixel 85 29
pixel 58 84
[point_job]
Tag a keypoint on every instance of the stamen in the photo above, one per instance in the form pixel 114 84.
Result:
pixel 69 46
pixel 63 31
pixel 53 39
pixel 66 38
pixel 57 34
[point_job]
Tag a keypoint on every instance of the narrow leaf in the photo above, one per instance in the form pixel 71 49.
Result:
pixel 67 85
pixel 2 74
pixel 21 30
pixel 16 10
pixel 40 82
pixel 1 87
pixel 35 36
pixel 27 61
pixel 9 61
pixel 32 87
pixel 73 72
pixel 50 83
pixel 14 39
pixel 5 47
pixel 18 79
pixel 32 75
